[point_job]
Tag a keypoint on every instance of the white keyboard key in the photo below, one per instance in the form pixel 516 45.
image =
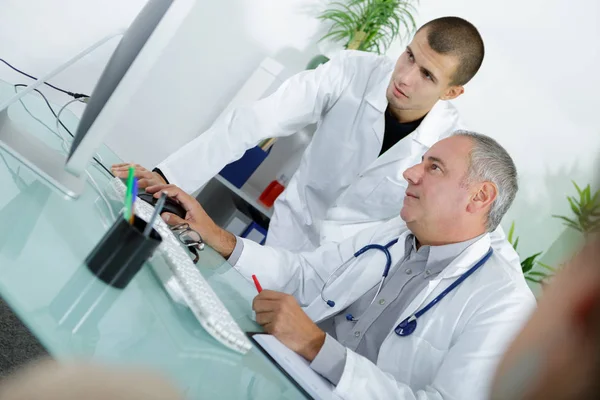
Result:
pixel 189 286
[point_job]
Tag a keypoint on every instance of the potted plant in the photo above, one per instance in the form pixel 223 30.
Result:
pixel 586 208
pixel 528 264
pixel 368 25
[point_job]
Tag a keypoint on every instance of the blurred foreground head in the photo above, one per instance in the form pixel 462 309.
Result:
pixel 557 354
pixel 49 380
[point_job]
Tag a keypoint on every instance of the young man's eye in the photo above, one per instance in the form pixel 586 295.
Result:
pixel 427 76
pixel 435 167
pixel 410 56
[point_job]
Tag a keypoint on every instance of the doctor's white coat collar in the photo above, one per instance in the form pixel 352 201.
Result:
pixel 436 121
pixel 358 279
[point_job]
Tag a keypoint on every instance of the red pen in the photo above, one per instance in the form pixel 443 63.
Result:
pixel 257 283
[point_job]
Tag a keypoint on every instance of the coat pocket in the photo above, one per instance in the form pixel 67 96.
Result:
pixel 411 360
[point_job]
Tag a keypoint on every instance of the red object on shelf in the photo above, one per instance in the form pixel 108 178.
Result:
pixel 270 194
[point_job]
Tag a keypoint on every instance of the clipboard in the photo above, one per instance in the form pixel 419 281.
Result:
pixel 293 366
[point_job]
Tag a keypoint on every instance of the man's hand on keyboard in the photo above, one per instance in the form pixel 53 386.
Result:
pixel 280 315
pixel 213 235
pixel 145 178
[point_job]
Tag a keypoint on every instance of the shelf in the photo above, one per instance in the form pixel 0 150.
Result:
pixel 248 194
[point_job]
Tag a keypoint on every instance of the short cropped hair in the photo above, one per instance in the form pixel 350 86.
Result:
pixel 457 37
pixel 489 161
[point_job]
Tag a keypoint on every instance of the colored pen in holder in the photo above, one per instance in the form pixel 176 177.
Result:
pixel 122 251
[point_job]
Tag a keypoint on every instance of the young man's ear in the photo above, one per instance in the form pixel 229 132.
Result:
pixel 453 92
pixel 484 197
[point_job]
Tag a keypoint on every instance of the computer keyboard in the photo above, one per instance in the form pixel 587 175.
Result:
pixel 188 286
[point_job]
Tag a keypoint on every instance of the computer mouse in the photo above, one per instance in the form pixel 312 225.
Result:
pixel 171 206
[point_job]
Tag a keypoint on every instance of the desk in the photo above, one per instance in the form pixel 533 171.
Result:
pixel 44 238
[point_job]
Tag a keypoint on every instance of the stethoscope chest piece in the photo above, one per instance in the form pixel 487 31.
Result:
pixel 406 327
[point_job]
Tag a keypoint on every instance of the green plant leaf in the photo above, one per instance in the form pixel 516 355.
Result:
pixel 516 244
pixel 409 22
pixel 338 15
pixel 511 231
pixel 335 36
pixel 586 194
pixel 565 219
pixel 526 267
pixel 543 265
pixel 579 191
pixel 528 263
pixel 569 222
pixel 575 208
pixel 538 273
pixel 380 20
pixel 576 227
pixel 534 280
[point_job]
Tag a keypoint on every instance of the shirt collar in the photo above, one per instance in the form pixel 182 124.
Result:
pixel 437 257
pixel 439 122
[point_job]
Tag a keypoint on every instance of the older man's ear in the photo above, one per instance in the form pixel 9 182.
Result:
pixel 483 197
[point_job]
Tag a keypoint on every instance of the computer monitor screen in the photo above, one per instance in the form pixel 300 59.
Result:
pixel 126 52
pixel 128 71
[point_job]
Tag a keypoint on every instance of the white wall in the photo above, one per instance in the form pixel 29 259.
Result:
pixel 234 35
pixel 536 93
pixel 38 35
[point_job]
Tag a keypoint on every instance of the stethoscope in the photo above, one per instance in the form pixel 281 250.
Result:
pixel 408 325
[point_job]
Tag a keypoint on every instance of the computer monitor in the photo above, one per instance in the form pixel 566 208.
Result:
pixel 141 46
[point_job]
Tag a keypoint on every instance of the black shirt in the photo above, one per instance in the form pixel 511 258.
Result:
pixel 395 131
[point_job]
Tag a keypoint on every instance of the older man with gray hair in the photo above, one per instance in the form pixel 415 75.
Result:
pixel 419 307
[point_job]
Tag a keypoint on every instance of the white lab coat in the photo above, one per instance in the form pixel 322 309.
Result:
pixel 457 344
pixel 341 186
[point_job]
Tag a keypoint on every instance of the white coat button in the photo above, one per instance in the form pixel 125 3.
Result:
pixel 382 301
pixel 428 272
pixel 408 271
pixel 357 333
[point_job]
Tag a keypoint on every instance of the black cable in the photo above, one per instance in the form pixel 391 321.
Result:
pixel 49 106
pixel 74 95
pixel 63 125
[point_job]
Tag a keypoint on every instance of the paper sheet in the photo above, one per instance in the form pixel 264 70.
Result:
pixel 297 367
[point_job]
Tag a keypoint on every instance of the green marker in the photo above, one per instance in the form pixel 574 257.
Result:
pixel 129 194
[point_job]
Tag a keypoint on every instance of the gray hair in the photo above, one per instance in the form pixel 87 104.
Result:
pixel 489 161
